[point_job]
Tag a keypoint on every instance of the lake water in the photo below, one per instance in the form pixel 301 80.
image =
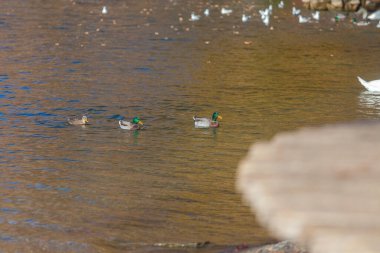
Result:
pixel 101 189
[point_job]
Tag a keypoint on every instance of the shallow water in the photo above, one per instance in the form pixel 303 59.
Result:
pixel 99 188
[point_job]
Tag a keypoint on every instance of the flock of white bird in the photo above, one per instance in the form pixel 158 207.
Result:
pixel 266 13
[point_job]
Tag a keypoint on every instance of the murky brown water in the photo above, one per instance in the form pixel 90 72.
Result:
pixel 99 188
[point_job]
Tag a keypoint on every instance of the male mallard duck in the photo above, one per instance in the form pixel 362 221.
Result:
pixel 371 85
pixel 76 121
pixel 136 124
pixel 206 122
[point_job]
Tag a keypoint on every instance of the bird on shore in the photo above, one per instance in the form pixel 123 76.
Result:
pixel 104 10
pixel 361 23
pixel 135 124
pixel 245 18
pixel 265 20
pixel 206 122
pixel 264 13
pixel 265 16
pixel 315 15
pixel 302 19
pixel 371 85
pixel 79 122
pixel 362 11
pixel 225 11
pixel 206 12
pixel 295 11
pixel 194 17
pixel 374 16
pixel 281 4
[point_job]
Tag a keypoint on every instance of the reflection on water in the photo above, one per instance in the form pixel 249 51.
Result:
pixel 370 101
pixel 98 188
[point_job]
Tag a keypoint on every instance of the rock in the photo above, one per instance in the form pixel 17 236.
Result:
pixel 318 187
pixel 372 5
pixel 306 4
pixel 352 5
pixel 335 5
pixel 319 4
pixel 281 247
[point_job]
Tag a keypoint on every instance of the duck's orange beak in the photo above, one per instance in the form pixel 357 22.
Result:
pixel 141 123
pixel 219 117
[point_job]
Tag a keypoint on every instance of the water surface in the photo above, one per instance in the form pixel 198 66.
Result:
pixel 101 189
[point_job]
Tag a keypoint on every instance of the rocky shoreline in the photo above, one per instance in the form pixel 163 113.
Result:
pixel 342 5
pixel 208 247
pixel 281 247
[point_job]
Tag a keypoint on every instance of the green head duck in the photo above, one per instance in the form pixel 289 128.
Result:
pixel 216 116
pixel 136 120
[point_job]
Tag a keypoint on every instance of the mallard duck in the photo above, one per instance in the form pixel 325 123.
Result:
pixel 371 85
pixel 136 124
pixel 76 121
pixel 206 122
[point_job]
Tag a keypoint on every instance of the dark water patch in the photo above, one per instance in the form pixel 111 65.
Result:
pixel 3 77
pixel 32 222
pixel 45 169
pixel 70 70
pixel 65 109
pixel 51 121
pixel 5 48
pixel 69 160
pixel 167 39
pixel 116 116
pixel 59 27
pixel 10 185
pixel 76 62
pixel 3 24
pixel 8 92
pixel 12 222
pixel 82 199
pixel 63 189
pixel 56 99
pixel 9 210
pixel 39 186
pixel 24 72
pixel 25 88
pixel 39 114
pixel 6 86
pixel 143 69
pixel 7 238
pixel 50 124
pixel 39 82
pixel 41 136
pixel 74 101
pixel 98 110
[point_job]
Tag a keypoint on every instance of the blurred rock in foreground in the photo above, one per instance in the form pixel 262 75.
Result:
pixel 318 187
